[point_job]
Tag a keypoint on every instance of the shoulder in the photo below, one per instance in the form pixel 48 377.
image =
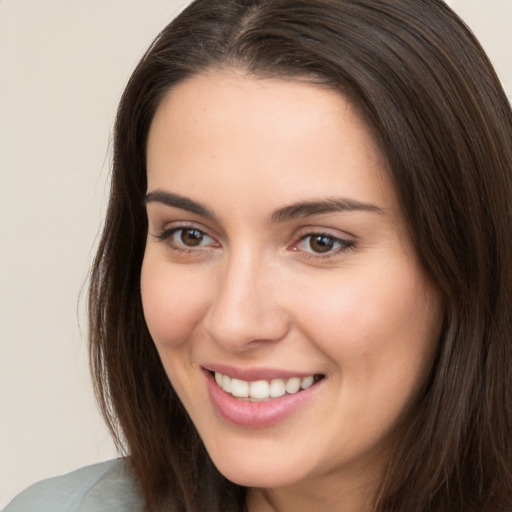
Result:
pixel 107 486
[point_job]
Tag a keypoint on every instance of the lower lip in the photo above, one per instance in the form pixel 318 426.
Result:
pixel 256 414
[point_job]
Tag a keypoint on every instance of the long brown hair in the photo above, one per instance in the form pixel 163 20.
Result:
pixel 429 93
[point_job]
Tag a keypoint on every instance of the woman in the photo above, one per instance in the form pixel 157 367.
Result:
pixel 301 297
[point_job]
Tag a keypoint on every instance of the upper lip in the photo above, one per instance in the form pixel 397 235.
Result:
pixel 254 374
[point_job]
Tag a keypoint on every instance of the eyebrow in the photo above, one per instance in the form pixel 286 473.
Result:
pixel 300 209
pixel 177 201
pixel 322 206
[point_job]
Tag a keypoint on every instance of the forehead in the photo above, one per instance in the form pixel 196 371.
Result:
pixel 262 136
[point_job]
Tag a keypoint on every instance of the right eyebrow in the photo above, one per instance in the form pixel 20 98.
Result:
pixel 177 201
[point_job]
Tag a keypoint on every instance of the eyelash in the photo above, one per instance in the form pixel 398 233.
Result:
pixel 344 245
pixel 166 237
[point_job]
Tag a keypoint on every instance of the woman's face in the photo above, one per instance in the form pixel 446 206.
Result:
pixel 278 264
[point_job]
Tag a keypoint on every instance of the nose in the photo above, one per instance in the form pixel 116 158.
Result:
pixel 246 311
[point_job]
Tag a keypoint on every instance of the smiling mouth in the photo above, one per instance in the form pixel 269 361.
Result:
pixel 262 390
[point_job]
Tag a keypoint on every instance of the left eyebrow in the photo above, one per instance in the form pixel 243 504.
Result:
pixel 318 207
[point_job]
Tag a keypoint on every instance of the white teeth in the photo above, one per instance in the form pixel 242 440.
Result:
pixel 307 382
pixel 226 383
pixel 263 389
pixel 293 385
pixel 259 389
pixel 277 388
pixel 239 388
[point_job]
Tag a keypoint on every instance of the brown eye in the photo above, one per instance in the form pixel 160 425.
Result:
pixel 191 237
pixel 321 243
pixel 186 239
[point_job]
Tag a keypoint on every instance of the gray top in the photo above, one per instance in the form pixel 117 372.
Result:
pixel 103 487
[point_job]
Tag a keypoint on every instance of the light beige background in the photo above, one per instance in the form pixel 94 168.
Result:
pixel 63 65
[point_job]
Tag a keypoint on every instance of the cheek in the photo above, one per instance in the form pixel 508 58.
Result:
pixel 172 303
pixel 380 336
pixel 376 325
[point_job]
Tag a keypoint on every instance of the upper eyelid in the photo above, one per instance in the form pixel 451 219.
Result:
pixel 183 224
pixel 326 235
pixel 173 229
pixel 346 241
pixel 327 231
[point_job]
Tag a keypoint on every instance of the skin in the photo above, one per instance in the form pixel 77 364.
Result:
pixel 257 293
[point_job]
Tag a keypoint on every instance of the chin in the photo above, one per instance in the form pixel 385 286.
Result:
pixel 263 474
pixel 263 479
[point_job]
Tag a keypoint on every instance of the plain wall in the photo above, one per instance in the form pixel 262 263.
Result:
pixel 63 66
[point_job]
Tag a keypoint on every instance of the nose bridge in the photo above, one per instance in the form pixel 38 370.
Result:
pixel 246 309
